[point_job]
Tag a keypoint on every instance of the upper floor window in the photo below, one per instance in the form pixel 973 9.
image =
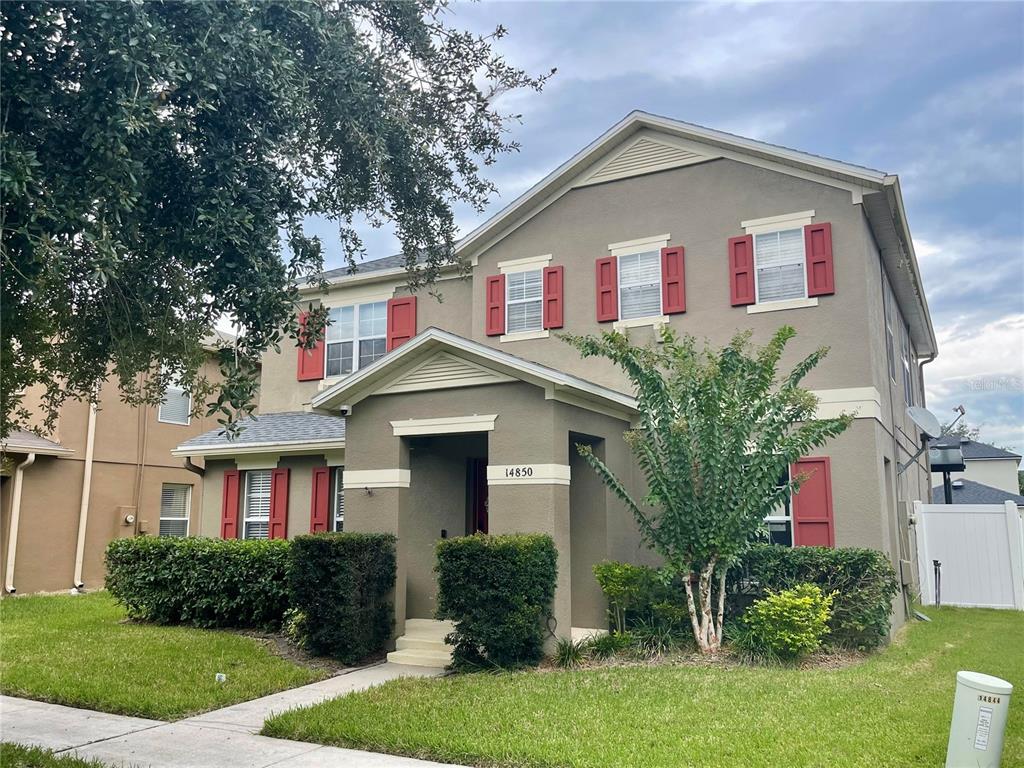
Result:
pixel 176 407
pixel 523 301
pixel 908 367
pixel 780 266
pixel 355 337
pixel 889 308
pixel 256 512
pixel 175 500
pixel 338 503
pixel 639 285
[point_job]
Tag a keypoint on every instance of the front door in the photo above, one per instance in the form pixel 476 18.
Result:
pixel 477 474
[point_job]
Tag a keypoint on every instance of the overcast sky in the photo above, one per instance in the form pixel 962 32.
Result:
pixel 931 92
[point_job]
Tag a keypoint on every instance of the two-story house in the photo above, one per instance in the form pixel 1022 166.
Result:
pixel 431 419
pixel 104 472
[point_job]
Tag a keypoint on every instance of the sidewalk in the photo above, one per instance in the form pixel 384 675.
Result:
pixel 224 738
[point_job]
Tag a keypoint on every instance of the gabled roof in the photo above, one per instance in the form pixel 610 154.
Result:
pixel 388 371
pixel 970 492
pixel 23 441
pixel 972 449
pixel 270 432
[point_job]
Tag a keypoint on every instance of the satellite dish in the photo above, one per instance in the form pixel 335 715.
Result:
pixel 925 421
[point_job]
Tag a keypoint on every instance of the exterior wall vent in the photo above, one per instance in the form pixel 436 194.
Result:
pixel 643 156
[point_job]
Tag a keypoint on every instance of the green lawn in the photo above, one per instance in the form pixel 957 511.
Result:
pixel 891 710
pixel 79 651
pixel 17 756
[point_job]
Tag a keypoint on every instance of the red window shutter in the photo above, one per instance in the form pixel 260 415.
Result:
pixel 401 321
pixel 554 278
pixel 812 504
pixel 311 361
pixel 741 270
pixel 607 284
pixel 673 280
pixel 229 504
pixel 319 512
pixel 278 528
pixel 495 298
pixel 818 250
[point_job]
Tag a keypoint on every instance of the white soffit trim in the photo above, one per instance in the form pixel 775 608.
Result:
pixel 528 474
pixel 776 223
pixel 242 449
pixel 524 265
pixel 445 425
pixel 354 479
pixel 863 402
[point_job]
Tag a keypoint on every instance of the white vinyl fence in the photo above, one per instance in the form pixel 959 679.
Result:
pixel 981 549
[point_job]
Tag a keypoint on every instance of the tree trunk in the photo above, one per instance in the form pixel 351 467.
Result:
pixel 707 635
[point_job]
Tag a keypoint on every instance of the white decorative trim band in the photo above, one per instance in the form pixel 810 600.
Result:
pixel 227 450
pixel 640 245
pixel 376 478
pixel 639 322
pixel 775 223
pixel 524 265
pixel 257 461
pixel 446 425
pixel 524 336
pixel 528 474
pixel 778 306
pixel 863 402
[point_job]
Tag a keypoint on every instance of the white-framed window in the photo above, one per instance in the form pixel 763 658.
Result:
pixel 780 266
pixel 256 508
pixel 639 285
pixel 889 308
pixel 175 504
pixel 176 407
pixel 524 301
pixel 338 501
pixel 908 367
pixel 356 336
pixel 779 521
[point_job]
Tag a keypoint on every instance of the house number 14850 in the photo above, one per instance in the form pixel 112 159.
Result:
pixel 518 471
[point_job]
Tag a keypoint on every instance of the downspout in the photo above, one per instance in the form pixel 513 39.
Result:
pixel 83 510
pixel 12 535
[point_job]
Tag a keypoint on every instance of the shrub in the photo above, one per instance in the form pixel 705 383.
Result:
pixel 201 582
pixel 339 585
pixel 570 653
pixel 608 645
pixel 640 594
pixel 863 579
pixel 786 624
pixel 498 591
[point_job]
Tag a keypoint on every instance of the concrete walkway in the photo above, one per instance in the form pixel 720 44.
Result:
pixel 224 738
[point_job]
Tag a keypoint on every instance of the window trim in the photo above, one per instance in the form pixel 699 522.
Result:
pixel 889 321
pixel 188 509
pixel 797 301
pixel 906 361
pixel 652 319
pixel 354 339
pixel 188 415
pixel 246 518
pixel 337 484
pixel 528 332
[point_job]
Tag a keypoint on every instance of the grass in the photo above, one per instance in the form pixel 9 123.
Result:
pixel 17 756
pixel 80 651
pixel 891 710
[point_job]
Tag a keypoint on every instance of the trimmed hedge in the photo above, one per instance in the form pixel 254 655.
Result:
pixel 498 591
pixel 201 582
pixel 339 585
pixel 863 579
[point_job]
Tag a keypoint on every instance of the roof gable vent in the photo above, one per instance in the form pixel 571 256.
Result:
pixel 645 155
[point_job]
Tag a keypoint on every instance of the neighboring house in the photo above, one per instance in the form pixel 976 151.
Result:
pixel 433 419
pixel 971 492
pixel 101 474
pixel 984 463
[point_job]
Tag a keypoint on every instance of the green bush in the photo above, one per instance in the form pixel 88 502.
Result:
pixel 610 644
pixel 786 624
pixel 498 592
pixel 863 579
pixel 201 582
pixel 339 588
pixel 570 653
pixel 642 596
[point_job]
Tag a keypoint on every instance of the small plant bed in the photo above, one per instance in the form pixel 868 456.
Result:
pixel 891 710
pixel 82 651
pixel 17 756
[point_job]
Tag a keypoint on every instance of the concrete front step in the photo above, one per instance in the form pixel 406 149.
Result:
pixel 414 643
pixel 422 644
pixel 421 658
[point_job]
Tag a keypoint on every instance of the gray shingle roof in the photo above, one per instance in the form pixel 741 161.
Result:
pixel 287 427
pixel 972 449
pixel 976 493
pixel 22 441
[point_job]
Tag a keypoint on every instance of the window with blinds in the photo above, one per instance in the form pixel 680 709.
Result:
pixel 523 301
pixel 639 285
pixel 339 500
pixel 256 513
pixel 355 337
pixel 176 407
pixel 780 266
pixel 779 521
pixel 889 307
pixel 174 509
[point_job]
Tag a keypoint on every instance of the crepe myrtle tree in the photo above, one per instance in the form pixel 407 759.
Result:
pixel 158 160
pixel 716 430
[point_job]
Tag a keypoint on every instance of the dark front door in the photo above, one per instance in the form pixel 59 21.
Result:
pixel 477 473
